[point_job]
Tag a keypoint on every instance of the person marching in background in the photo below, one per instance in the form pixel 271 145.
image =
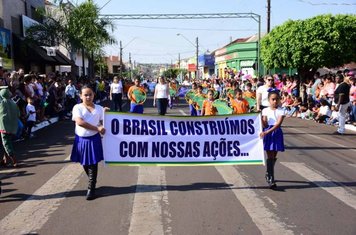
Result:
pixel 135 107
pixel 272 134
pixel 87 148
pixel 116 91
pixel 200 94
pixel 239 104
pixel 262 93
pixel 162 96
pixel 193 111
pixel 208 109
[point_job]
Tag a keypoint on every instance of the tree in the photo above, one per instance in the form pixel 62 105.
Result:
pixel 171 73
pixel 310 44
pixel 76 27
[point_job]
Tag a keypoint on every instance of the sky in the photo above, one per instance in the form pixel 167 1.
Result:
pixel 156 41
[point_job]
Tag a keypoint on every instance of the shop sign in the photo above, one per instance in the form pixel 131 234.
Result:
pixel 191 67
pixel 247 63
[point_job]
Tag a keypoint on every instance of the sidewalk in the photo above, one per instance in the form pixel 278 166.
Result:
pixel 350 127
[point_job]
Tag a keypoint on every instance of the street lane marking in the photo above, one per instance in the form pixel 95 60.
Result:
pixel 336 190
pixel 33 213
pixel 266 221
pixel 183 113
pixel 353 165
pixel 326 140
pixel 147 211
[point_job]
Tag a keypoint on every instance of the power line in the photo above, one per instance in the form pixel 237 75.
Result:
pixel 327 3
pixel 176 28
pixel 184 52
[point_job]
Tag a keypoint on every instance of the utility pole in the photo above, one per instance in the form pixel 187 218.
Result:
pixel 120 58
pixel 130 66
pixel 197 54
pixel 268 16
pixel 180 72
pixel 179 61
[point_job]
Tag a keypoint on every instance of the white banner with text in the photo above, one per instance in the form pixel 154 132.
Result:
pixel 136 139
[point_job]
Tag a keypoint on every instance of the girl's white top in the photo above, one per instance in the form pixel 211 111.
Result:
pixel 273 115
pixel 93 118
pixel 116 88
pixel 162 91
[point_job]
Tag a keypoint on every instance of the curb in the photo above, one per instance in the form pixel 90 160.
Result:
pixel 350 127
pixel 44 124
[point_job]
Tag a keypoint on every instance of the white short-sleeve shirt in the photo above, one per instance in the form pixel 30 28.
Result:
pixel 162 90
pixel 116 88
pixel 93 118
pixel 263 90
pixel 273 115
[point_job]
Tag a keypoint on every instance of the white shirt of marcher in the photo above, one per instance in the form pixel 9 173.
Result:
pixel 93 118
pixel 162 91
pixel 31 116
pixel 116 88
pixel 273 115
pixel 263 90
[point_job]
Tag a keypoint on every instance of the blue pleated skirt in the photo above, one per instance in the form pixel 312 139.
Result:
pixel 87 150
pixel 273 141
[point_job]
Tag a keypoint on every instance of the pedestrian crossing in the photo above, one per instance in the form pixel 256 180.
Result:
pixel 151 200
pixel 33 213
pixel 337 190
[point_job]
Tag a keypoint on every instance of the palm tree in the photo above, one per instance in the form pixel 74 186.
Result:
pixel 78 28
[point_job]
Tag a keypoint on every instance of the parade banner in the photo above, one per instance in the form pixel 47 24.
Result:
pixel 136 139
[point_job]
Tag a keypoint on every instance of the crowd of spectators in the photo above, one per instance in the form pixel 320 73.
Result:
pixel 41 97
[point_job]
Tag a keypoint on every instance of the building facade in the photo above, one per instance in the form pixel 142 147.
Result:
pixel 15 17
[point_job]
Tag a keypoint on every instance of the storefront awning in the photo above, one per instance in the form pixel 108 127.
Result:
pixel 34 53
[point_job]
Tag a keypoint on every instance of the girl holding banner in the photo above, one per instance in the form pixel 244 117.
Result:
pixel 87 147
pixel 272 118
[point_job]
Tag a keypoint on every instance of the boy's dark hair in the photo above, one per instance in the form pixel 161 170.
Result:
pixel 238 90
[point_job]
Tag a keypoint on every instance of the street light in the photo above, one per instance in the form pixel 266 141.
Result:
pixel 196 45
